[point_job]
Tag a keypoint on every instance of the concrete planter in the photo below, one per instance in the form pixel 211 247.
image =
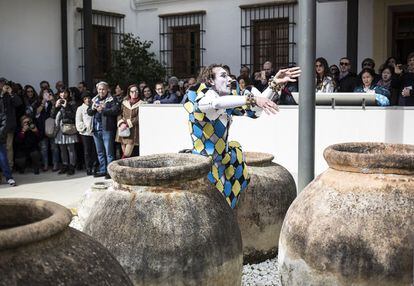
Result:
pixel 166 224
pixel 263 206
pixel 353 225
pixel 38 248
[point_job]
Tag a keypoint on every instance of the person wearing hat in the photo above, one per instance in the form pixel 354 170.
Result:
pixel 84 125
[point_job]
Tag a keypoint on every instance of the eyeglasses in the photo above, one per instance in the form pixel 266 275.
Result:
pixel 367 64
pixel 344 64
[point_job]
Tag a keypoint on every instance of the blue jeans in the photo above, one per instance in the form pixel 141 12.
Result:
pixel 104 142
pixel 44 149
pixel 4 163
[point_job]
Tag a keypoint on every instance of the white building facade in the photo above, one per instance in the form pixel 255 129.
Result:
pixel 186 34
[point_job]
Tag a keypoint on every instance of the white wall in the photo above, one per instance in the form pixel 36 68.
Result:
pixel 366 32
pixel 32 51
pixel 75 36
pixel 164 128
pixel 331 31
pixel 30 46
pixel 222 24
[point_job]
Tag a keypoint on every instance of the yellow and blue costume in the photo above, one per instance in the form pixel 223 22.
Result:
pixel 209 131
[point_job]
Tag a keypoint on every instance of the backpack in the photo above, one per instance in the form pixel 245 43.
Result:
pixel 50 128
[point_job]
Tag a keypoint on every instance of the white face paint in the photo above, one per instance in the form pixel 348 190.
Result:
pixel 221 82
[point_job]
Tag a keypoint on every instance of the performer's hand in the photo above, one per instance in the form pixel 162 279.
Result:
pixel 267 105
pixel 287 75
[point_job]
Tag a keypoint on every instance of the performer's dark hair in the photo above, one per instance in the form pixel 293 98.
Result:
pixel 206 73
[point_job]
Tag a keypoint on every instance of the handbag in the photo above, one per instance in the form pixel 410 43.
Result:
pixel 50 128
pixel 69 129
pixel 124 133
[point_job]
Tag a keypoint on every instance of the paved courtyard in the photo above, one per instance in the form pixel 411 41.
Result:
pixel 61 189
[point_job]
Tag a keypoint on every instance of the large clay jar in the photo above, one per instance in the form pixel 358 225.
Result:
pixel 263 206
pixel 353 225
pixel 166 224
pixel 89 199
pixel 38 248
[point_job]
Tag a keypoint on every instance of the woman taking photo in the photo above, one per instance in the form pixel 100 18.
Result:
pixel 65 113
pixel 324 80
pixel 381 94
pixel 47 140
pixel 128 127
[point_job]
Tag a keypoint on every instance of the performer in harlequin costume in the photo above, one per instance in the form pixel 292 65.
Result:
pixel 211 105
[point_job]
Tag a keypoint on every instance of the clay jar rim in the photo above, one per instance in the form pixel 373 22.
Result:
pixel 258 158
pixel 174 168
pixel 54 219
pixel 371 157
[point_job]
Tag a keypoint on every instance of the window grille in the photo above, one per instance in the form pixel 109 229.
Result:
pixel 268 34
pixel 182 43
pixel 107 29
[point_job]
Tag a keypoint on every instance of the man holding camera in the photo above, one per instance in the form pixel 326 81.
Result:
pixel 105 110
pixel 261 79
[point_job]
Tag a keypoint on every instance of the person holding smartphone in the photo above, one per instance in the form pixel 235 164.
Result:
pixel 405 82
pixel 66 137
pixel 47 141
pixel 10 101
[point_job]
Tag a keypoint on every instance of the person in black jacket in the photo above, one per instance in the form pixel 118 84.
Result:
pixel 4 165
pixel 105 110
pixel 10 102
pixel 347 79
pixel 27 145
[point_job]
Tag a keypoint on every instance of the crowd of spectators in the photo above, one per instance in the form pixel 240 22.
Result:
pixel 392 85
pixel 73 128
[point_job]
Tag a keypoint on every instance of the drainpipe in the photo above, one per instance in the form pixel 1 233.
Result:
pixel 307 51
pixel 64 33
pixel 87 32
pixel 352 34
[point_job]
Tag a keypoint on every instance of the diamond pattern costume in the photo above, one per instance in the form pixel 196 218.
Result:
pixel 209 131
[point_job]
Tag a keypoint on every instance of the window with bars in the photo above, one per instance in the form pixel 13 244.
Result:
pixel 181 43
pixel 268 34
pixel 106 32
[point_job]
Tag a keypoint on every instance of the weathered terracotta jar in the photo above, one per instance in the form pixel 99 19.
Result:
pixel 353 225
pixel 89 199
pixel 166 224
pixel 38 248
pixel 263 206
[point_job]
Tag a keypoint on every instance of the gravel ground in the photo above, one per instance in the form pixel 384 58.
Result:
pixel 261 274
